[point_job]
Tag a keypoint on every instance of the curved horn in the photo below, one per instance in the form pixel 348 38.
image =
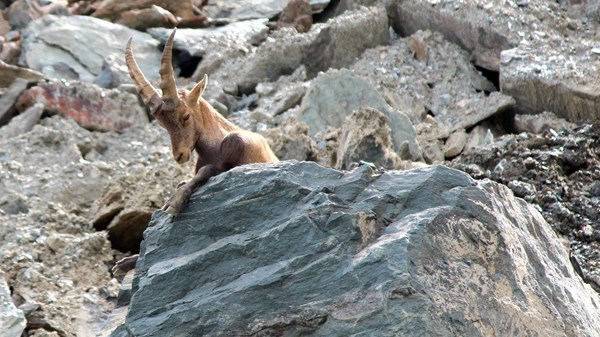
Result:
pixel 149 95
pixel 167 78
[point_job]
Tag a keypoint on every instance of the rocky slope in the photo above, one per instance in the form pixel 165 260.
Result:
pixel 500 91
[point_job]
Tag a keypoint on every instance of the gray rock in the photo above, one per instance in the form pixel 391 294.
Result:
pixel 334 44
pixel 12 320
pixel 455 144
pixel 541 122
pixel 477 28
pixel 23 123
pixel 337 93
pixel 291 141
pixel 239 10
pixel 543 57
pixel 200 42
pixel 114 73
pixel 365 136
pixel 279 55
pixel 552 82
pixel 8 100
pixel 75 47
pixel 345 38
pixel 51 182
pixel 326 253
pixel 216 45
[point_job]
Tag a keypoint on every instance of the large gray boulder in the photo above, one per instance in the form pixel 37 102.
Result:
pixel 75 47
pixel 293 249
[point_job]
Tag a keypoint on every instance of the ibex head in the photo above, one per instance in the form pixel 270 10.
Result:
pixel 176 108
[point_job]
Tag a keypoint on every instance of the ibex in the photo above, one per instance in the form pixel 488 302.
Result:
pixel 193 124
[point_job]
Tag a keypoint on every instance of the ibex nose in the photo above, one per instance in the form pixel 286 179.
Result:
pixel 182 157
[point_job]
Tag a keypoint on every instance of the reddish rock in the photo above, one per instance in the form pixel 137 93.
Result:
pixel 92 107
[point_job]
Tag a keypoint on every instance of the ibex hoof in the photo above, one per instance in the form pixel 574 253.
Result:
pixel 124 265
pixel 175 204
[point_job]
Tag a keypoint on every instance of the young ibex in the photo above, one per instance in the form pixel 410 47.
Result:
pixel 193 124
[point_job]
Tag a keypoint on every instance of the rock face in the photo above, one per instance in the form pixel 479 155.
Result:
pixel 336 94
pixel 557 170
pixel 12 320
pixel 75 47
pixel 293 249
pixel 531 44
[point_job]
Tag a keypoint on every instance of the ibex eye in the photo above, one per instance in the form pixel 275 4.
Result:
pixel 186 117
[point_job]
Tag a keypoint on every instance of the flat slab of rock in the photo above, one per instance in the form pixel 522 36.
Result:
pixel 557 79
pixel 345 38
pixel 22 123
pixel 294 248
pixel 75 47
pixel 8 101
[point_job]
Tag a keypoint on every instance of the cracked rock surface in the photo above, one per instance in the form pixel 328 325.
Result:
pixel 360 252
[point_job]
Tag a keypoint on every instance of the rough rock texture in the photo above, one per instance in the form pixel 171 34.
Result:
pixel 297 14
pixel 443 83
pixel 92 107
pixel 74 47
pixel 334 44
pixel 539 123
pixel 365 136
pixel 8 101
pixel 544 51
pixel 51 180
pixel 337 93
pixel 200 42
pixel 22 123
pixel 345 38
pixel 551 82
pixel 421 252
pixel 281 54
pixel 557 171
pixel 115 9
pixel 292 141
pixel 12 320
pixel 239 10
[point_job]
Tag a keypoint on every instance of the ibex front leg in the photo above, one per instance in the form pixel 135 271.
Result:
pixel 175 204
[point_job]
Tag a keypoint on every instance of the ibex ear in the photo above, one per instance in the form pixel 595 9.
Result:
pixel 198 89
